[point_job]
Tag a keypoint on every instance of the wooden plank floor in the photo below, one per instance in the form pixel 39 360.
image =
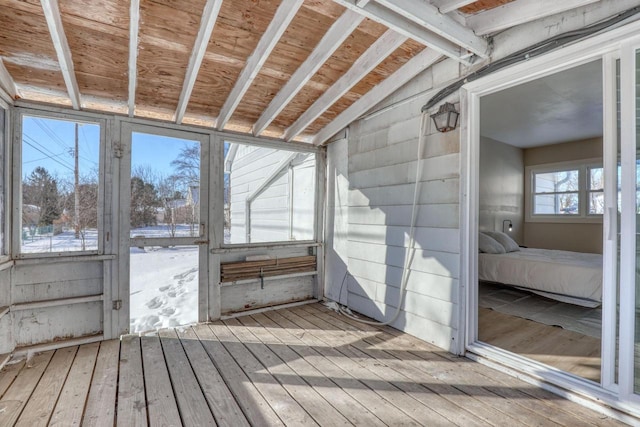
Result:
pixel 566 350
pixel 297 366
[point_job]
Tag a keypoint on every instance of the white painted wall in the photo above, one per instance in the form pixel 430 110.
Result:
pixel 501 188
pixel 382 153
pixel 284 209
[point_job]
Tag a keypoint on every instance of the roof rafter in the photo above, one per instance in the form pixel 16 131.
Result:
pixel 6 81
pixel 207 22
pixel 519 12
pixel 424 14
pixel 61 45
pixel 413 67
pixel 331 41
pixel 446 6
pixel 134 24
pixel 381 49
pixel 281 20
pixel 402 25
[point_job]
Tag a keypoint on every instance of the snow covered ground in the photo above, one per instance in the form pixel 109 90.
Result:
pixel 164 287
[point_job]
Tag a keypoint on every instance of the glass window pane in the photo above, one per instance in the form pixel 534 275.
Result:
pixel 596 179
pixel 553 182
pixel 165 186
pixel 60 168
pixel 596 203
pixel 269 194
pixel 556 204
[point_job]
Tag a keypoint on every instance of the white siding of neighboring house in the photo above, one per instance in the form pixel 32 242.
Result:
pixel 271 210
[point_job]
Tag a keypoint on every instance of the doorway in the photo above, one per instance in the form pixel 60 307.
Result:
pixel 618 193
pixel 164 213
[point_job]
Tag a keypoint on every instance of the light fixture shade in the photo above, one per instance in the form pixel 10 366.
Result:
pixel 446 118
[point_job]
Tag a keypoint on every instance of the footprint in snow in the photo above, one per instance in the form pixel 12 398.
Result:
pixel 154 303
pixel 164 288
pixel 167 311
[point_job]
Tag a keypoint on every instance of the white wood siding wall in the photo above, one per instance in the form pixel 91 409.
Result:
pixel 56 282
pixel 6 325
pixel 382 165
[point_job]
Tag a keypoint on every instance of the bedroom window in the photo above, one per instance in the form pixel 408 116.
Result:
pixel 556 193
pixel 596 191
pixel 572 191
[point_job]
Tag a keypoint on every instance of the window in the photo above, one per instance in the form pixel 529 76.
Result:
pixel 595 190
pixel 569 190
pixel 556 193
pixel 60 172
pixel 269 194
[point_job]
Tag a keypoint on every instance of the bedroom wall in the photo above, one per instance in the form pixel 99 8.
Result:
pixel 382 162
pixel 501 187
pixel 578 237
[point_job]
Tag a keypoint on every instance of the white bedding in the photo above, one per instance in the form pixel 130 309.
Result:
pixel 562 275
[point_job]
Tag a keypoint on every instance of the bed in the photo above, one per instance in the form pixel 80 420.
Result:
pixel 571 277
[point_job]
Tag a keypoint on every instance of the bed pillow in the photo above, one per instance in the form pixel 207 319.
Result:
pixel 489 245
pixel 509 244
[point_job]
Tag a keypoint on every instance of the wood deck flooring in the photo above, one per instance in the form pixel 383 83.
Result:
pixel 297 366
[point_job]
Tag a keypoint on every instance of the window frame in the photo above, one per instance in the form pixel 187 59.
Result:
pixel 5 183
pixel 583 167
pixel 18 118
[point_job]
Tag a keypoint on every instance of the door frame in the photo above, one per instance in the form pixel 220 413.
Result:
pixel 607 47
pixel 121 286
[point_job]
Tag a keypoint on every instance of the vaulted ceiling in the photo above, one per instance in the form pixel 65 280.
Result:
pixel 290 69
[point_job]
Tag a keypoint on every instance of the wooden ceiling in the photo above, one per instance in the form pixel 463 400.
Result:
pixel 290 69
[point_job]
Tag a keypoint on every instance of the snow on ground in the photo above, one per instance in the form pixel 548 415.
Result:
pixel 164 287
pixel 63 242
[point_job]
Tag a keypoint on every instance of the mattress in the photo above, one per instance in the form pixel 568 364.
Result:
pixel 572 277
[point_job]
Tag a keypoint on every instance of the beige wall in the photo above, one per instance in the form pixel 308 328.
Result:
pixel 501 187
pixel 578 237
pixel 565 152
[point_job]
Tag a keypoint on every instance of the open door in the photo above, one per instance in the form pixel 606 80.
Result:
pixel 164 227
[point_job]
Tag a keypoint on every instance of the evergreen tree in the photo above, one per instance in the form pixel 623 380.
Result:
pixel 144 201
pixel 41 190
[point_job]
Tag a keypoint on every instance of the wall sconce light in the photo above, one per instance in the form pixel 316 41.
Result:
pixel 510 225
pixel 446 118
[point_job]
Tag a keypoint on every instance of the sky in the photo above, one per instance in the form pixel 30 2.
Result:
pixel 50 142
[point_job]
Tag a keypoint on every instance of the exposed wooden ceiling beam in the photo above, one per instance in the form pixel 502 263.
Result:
pixel 402 25
pixel 382 48
pixel 56 30
pixel 6 81
pixel 424 14
pixel 333 38
pixel 413 67
pixel 207 22
pixel 446 6
pixel 134 24
pixel 281 20
pixel 519 12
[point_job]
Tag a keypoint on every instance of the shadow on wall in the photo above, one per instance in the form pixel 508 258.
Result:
pixel 368 223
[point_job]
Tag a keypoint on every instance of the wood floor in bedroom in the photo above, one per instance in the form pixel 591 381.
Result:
pixel 563 349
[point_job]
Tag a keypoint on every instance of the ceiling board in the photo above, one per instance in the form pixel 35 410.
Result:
pixel 566 106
